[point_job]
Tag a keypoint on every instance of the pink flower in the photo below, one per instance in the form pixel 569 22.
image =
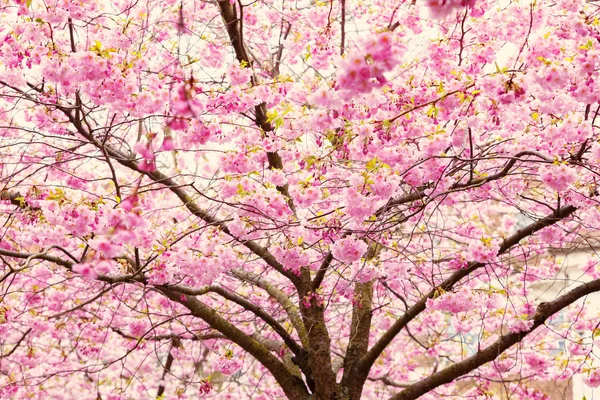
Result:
pixel 537 362
pixel 227 365
pixel 520 325
pixel 138 328
pixel 104 266
pixel 442 8
pixel 292 259
pixel 85 270
pixel 482 250
pixel 167 144
pixel 239 75
pixel 324 98
pixel 559 177
pixel 144 150
pixel 348 250
pixel 178 124
pixel 109 249
pixel 593 379
pixel 205 387
pixel 147 166
pixel 237 162
pixel 129 203
pixel 359 207
pixel 454 303
pixel 362 71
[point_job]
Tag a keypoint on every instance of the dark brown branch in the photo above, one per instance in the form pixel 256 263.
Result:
pixel 420 194
pixel 360 329
pixel 16 346
pixel 16 199
pixel 504 342
pixel 234 28
pixel 111 279
pixel 300 353
pixel 390 382
pixel 375 351
pixel 319 348
pixel 81 305
pixel 281 297
pixel 320 275
pixel 72 35
pixel 293 386
pixel 167 367
pixel 158 338
pixel 278 58
pixel 462 45
pixel 40 256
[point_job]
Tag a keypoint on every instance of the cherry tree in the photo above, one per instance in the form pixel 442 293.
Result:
pixel 297 199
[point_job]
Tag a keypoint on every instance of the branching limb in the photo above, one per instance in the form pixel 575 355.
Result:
pixel 234 27
pixel 504 342
pixel 292 385
pixel 369 358
pixel 421 194
pixel 167 367
pixel 282 298
pixel 16 346
pixel 272 322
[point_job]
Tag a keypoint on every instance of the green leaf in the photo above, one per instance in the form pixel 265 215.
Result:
pixel 432 111
pixel 372 164
pixel 28 4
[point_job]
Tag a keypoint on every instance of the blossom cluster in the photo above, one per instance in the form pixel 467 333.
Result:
pixel 442 8
pixel 362 70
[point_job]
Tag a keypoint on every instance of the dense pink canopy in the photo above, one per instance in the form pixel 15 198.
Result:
pixel 266 199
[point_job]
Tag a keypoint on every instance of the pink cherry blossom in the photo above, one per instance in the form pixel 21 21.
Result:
pixel 107 248
pixel 348 250
pixel 314 199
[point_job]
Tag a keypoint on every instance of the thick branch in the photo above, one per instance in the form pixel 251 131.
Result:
pixel 390 382
pixel 281 298
pixel 360 329
pixel 272 322
pixel 292 385
pixel 320 275
pixel 38 256
pixel 234 26
pixel 372 355
pixel 15 198
pixel 319 349
pixel 179 336
pixel 287 358
pixel 111 279
pixel 504 342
